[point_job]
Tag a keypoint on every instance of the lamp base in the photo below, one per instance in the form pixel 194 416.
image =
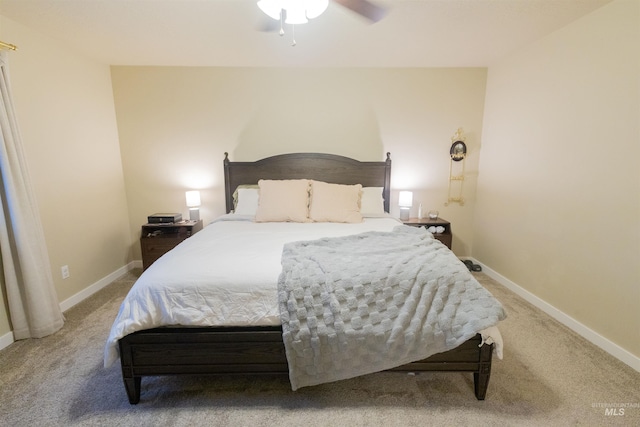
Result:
pixel 194 214
pixel 404 214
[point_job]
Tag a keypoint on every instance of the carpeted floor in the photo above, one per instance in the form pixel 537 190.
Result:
pixel 549 376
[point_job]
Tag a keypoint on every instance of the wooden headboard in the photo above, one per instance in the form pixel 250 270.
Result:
pixel 320 167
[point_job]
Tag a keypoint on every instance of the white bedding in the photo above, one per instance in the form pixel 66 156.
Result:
pixel 203 281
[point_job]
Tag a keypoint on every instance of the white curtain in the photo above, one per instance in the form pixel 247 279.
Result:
pixel 33 304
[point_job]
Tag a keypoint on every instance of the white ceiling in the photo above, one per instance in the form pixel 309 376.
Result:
pixel 415 33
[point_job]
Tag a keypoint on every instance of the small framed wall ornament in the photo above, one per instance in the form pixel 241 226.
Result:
pixel 458 154
pixel 458 151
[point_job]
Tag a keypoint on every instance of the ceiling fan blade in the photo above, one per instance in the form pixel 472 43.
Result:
pixel 364 8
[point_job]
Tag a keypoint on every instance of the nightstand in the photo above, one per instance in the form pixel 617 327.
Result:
pixel 445 237
pixel 158 239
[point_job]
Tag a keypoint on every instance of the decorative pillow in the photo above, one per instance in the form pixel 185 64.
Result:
pixel 372 202
pixel 247 201
pixel 283 200
pixel 335 202
pixel 235 193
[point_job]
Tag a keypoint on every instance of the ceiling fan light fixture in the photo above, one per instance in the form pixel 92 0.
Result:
pixel 297 11
pixel 296 16
pixel 316 8
pixel 271 8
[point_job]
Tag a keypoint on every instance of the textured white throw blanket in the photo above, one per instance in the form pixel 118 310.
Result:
pixel 359 304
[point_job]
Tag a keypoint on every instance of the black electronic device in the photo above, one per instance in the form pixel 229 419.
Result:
pixel 163 218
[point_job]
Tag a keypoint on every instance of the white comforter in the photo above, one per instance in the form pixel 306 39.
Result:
pixel 226 274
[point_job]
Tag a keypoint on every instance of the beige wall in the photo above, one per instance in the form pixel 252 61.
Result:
pixel 65 109
pixel 558 198
pixel 175 123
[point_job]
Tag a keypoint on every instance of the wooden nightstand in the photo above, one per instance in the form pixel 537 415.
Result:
pixel 445 237
pixel 158 239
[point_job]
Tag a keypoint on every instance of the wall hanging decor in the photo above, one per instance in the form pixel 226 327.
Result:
pixel 458 154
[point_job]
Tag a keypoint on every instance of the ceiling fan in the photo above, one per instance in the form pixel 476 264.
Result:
pixel 299 11
pixel 365 8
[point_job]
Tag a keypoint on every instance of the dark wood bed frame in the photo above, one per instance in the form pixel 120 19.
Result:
pixel 260 350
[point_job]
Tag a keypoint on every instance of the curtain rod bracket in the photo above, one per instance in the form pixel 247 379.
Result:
pixel 9 46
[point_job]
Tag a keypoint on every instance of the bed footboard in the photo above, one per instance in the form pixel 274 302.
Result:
pixel 257 350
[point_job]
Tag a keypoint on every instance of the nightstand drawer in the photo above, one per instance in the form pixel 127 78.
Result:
pixel 445 236
pixel 154 245
pixel 158 239
pixel 153 248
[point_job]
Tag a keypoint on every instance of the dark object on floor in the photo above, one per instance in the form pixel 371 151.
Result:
pixel 471 266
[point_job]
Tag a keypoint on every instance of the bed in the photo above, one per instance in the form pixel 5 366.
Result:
pixel 231 336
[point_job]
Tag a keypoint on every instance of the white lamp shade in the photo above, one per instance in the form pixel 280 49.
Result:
pixel 193 198
pixel 405 199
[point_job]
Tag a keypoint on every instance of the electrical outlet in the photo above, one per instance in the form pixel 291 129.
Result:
pixel 65 271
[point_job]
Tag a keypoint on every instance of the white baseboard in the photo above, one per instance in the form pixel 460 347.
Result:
pixel 92 289
pixel 6 340
pixel 592 336
pixel 610 347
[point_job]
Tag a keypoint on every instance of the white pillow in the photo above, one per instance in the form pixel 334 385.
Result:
pixel 283 200
pixel 372 202
pixel 335 202
pixel 235 193
pixel 247 201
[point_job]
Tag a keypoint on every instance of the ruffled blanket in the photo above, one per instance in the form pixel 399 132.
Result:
pixel 359 304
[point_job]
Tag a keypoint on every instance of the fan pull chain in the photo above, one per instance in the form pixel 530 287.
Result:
pixel 293 29
pixel 281 24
